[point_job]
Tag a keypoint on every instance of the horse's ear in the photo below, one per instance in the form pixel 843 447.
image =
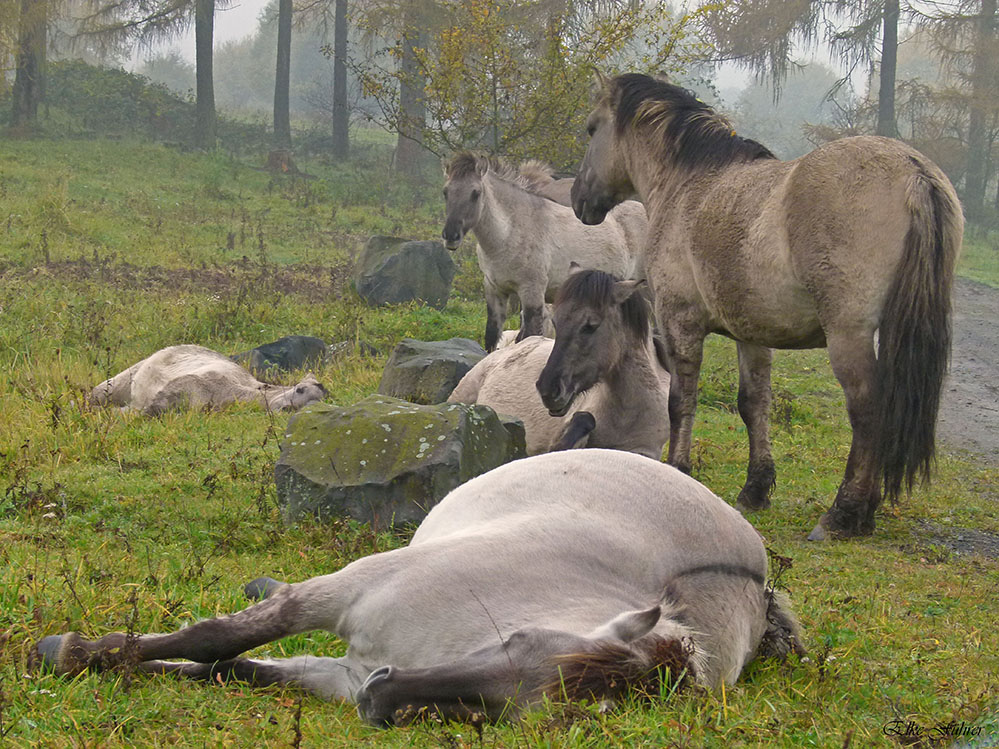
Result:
pixel 622 290
pixel 629 626
pixel 481 165
pixel 574 267
pixel 599 80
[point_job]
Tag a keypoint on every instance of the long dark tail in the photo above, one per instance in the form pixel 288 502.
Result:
pixel 915 332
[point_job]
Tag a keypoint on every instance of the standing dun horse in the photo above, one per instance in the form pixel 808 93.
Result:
pixel 860 235
pixel 574 574
pixel 600 383
pixel 526 241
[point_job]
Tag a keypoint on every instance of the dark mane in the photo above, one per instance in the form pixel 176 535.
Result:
pixel 696 137
pixel 644 666
pixel 594 288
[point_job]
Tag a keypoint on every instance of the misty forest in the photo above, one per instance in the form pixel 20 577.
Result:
pixel 273 189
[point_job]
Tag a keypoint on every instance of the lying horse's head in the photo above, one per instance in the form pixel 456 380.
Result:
pixel 498 680
pixel 597 319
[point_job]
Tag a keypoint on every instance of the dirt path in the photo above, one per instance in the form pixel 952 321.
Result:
pixel 969 412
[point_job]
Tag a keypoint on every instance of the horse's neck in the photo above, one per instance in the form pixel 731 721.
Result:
pixel 630 384
pixel 496 224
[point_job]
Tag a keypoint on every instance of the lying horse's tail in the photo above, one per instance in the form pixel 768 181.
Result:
pixel 915 331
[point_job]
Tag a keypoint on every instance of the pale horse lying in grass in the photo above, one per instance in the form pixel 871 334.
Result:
pixel 196 377
pixel 526 241
pixel 601 383
pixel 574 574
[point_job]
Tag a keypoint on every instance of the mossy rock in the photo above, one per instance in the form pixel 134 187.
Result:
pixel 427 371
pixel 384 460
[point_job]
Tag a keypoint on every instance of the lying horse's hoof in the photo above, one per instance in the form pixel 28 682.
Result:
pixel 45 653
pixel 262 588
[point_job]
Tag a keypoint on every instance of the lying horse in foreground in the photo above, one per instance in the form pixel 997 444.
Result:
pixel 569 574
pixel 598 384
pixel 860 235
pixel 196 377
pixel 526 241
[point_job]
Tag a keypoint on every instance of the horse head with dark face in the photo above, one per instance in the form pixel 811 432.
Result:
pixel 657 578
pixel 601 383
pixel 860 235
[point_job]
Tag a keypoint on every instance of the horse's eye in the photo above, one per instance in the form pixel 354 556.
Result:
pixel 589 328
pixel 591 129
pixel 475 194
pixel 300 390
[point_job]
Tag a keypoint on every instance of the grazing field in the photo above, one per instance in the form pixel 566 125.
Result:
pixel 110 251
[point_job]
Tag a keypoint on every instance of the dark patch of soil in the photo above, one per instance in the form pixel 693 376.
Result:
pixel 969 409
pixel 315 283
pixel 963 541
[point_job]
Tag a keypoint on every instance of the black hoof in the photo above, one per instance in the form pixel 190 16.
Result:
pixel 44 655
pixel 261 588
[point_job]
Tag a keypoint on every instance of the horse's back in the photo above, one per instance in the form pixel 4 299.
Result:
pixel 505 381
pixel 187 371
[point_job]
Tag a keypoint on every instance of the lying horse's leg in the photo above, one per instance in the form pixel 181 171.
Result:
pixel 328 678
pixel 852 513
pixel 685 352
pixel 496 305
pixel 576 432
pixel 754 408
pixel 288 610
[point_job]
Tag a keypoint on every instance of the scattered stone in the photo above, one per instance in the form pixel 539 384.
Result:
pixel 286 354
pixel 427 371
pixel 386 461
pixel 393 270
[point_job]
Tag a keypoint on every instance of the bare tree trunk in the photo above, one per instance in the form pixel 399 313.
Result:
pixel 889 62
pixel 29 80
pixel 282 78
pixel 341 114
pixel 412 108
pixel 204 35
pixel 982 84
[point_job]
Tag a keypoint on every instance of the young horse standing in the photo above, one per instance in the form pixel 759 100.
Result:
pixel 598 384
pixel 859 235
pixel 526 242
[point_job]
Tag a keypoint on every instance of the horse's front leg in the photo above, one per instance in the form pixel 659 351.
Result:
pixel 852 513
pixel 532 313
pixel 685 349
pixel 754 408
pixel 496 307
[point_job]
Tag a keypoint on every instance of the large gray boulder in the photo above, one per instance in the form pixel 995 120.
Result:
pixel 393 270
pixel 427 371
pixel 385 461
pixel 286 354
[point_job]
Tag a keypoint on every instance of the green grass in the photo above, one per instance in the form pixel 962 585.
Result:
pixel 109 521
pixel 980 257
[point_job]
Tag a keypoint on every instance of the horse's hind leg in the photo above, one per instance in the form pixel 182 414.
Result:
pixel 754 408
pixel 852 513
pixel 290 609
pixel 328 678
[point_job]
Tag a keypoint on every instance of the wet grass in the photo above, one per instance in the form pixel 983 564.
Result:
pixel 109 521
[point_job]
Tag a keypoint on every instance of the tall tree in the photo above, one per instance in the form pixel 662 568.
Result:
pixel 341 112
pixel 124 23
pixel 761 36
pixel 983 89
pixel 29 77
pixel 282 79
